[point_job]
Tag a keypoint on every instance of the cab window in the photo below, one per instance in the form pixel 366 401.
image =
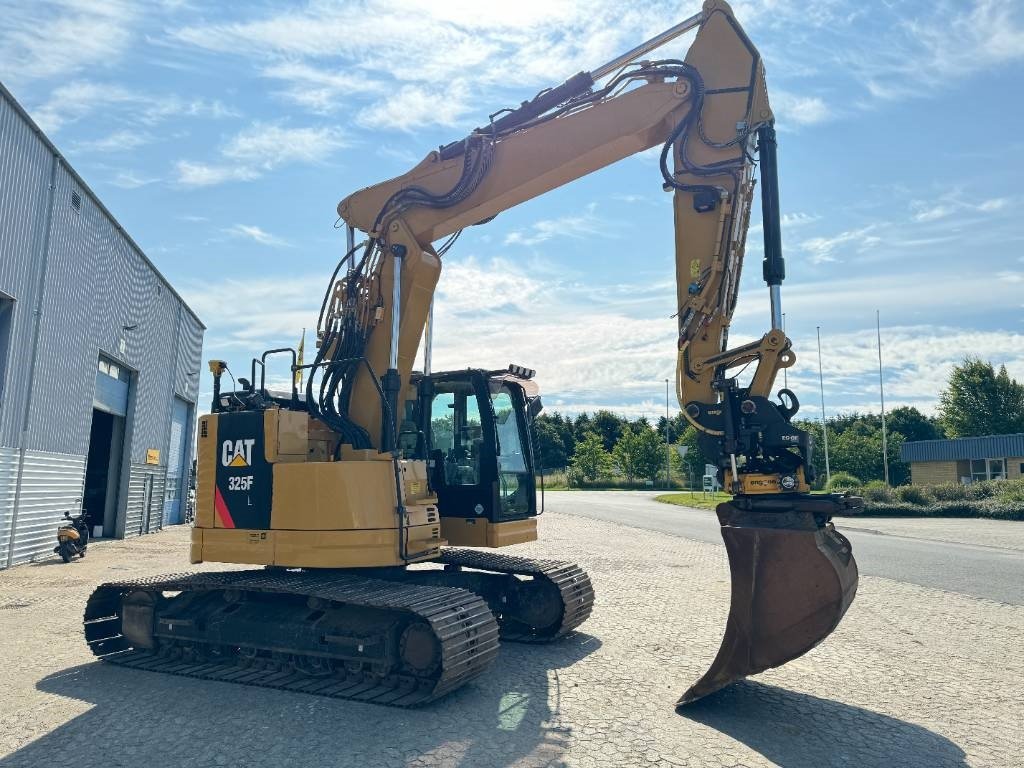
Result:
pixel 456 434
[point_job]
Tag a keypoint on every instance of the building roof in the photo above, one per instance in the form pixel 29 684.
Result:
pixel 986 447
pixel 9 97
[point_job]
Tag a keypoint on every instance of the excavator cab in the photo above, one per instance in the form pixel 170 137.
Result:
pixel 473 427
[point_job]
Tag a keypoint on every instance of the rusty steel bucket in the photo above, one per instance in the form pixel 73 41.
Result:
pixel 793 577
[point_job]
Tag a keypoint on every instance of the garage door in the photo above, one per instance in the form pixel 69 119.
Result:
pixel 111 393
pixel 177 455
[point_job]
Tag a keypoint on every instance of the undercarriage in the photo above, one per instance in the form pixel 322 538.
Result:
pixel 400 637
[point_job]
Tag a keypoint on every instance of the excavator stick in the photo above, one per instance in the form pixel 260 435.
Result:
pixel 793 577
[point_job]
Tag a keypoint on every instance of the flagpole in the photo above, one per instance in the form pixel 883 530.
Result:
pixel 824 423
pixel 881 393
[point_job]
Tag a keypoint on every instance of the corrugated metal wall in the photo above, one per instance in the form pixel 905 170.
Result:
pixel 143 517
pixel 96 282
pixel 25 165
pixel 51 483
pixel 8 468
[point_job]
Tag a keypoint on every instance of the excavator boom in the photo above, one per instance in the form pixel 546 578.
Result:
pixel 793 575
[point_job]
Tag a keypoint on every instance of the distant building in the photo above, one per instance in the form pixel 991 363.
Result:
pixel 965 460
pixel 99 359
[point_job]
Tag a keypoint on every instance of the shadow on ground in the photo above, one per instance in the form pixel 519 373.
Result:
pixel 137 718
pixel 795 730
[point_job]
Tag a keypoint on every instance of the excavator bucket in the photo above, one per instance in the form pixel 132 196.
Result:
pixel 793 577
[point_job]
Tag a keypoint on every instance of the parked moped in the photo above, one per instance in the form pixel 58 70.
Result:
pixel 72 536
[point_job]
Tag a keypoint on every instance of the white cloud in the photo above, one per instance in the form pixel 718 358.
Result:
pixel 119 141
pixel 252 232
pixel 913 56
pixel 60 39
pixel 824 249
pixel 131 180
pixel 269 145
pixel 917 360
pixel 585 224
pixel 260 148
pixel 415 106
pixel 72 101
pixel 953 203
pixel 191 174
pixel 319 90
pixel 799 110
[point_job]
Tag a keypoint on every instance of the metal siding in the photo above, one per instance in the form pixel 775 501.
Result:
pixel 8 472
pixel 97 280
pixel 987 447
pixel 188 358
pixel 51 484
pixel 141 519
pixel 66 364
pixel 25 165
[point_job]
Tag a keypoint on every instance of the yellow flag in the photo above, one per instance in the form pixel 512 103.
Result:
pixel 302 350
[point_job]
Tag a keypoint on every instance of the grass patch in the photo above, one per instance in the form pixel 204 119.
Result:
pixel 696 499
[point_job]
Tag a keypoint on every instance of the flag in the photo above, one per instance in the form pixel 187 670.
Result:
pixel 302 349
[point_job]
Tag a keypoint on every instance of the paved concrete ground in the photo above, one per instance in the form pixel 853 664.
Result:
pixel 912 677
pixel 980 558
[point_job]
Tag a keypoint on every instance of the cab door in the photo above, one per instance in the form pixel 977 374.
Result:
pixel 478 448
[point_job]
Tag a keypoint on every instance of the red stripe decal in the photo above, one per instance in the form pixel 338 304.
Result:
pixel 222 510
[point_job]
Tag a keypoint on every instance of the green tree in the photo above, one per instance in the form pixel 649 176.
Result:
pixel 913 424
pixel 590 460
pixel 858 450
pixel 608 427
pixel 692 465
pixel 980 401
pixel 639 452
pixel 550 449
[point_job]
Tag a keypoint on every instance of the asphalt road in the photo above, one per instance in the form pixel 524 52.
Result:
pixel 978 571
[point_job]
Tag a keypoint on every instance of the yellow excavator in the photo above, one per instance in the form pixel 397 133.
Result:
pixel 373 500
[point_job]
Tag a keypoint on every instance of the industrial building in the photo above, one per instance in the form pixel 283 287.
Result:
pixel 99 359
pixel 965 459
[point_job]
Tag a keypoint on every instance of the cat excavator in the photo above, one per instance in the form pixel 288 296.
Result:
pixel 372 501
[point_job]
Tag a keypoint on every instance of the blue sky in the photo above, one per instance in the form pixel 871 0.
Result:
pixel 222 136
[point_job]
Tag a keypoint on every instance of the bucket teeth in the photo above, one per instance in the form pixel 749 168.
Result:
pixel 793 577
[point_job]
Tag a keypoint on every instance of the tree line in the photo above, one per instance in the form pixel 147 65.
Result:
pixel 978 400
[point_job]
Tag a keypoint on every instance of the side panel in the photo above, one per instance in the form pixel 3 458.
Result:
pixel 340 495
pixel 478 532
pixel 206 470
pixel 245 478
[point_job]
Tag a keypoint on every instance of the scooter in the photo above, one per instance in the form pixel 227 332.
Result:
pixel 72 536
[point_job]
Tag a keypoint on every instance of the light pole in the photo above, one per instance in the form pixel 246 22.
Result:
pixel 881 394
pixel 824 423
pixel 668 443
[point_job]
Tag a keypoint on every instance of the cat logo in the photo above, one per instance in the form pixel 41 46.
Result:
pixel 237 453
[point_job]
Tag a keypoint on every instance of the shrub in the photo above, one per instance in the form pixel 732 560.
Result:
pixel 843 481
pixel 948 492
pixel 877 491
pixel 1011 491
pixel 982 489
pixel 912 494
pixel 990 508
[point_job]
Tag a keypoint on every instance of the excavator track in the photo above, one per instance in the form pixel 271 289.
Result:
pixel 554 598
pixel 354 637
